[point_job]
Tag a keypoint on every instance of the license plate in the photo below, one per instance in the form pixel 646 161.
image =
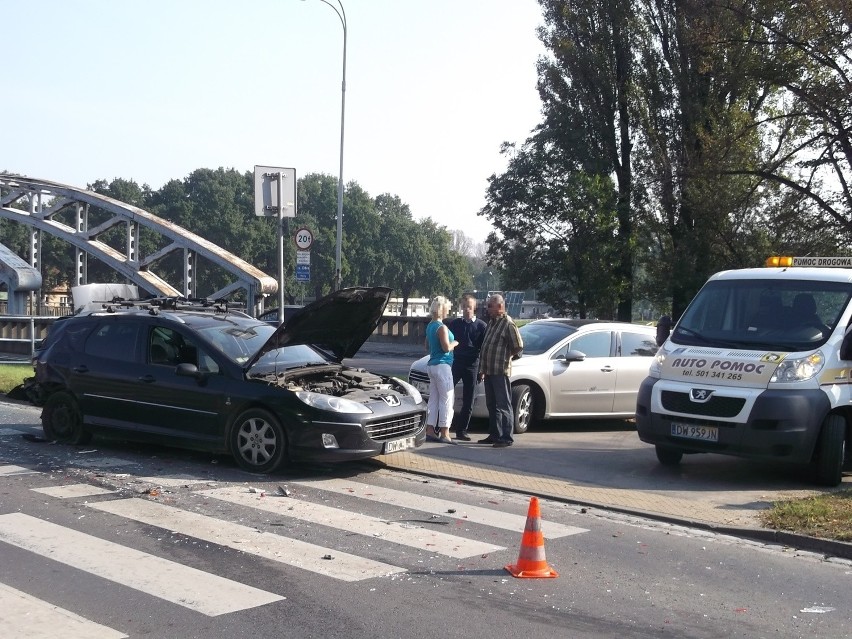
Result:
pixel 396 445
pixel 423 387
pixel 690 431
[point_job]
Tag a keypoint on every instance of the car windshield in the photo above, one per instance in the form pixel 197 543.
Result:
pixel 788 315
pixel 240 342
pixel 542 336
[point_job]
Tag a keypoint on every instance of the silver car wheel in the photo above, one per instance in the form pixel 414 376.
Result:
pixel 522 405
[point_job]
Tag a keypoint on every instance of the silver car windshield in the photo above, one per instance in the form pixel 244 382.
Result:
pixel 539 337
pixel 784 315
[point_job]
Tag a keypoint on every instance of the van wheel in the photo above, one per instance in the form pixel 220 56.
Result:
pixel 668 456
pixel 523 406
pixel 831 451
pixel 62 421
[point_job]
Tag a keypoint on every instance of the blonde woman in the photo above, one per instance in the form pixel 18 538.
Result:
pixel 440 343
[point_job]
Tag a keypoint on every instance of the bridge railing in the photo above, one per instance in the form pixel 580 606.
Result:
pixel 20 334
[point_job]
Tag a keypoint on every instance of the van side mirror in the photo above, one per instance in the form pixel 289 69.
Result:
pixel 846 345
pixel 664 329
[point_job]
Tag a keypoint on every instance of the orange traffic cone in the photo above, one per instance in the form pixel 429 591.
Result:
pixel 531 562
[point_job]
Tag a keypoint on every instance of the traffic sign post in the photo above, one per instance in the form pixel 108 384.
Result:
pixel 303 272
pixel 280 201
pixel 303 239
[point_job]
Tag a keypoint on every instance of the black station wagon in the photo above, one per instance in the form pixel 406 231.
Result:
pixel 215 379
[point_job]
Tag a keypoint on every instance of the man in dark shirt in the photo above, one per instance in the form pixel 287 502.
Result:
pixel 469 331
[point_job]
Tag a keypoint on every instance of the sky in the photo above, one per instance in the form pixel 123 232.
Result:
pixel 150 91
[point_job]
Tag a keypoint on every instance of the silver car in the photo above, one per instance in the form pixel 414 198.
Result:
pixel 569 368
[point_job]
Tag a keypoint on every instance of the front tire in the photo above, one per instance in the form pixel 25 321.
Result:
pixel 62 420
pixel 831 451
pixel 258 443
pixel 668 456
pixel 523 405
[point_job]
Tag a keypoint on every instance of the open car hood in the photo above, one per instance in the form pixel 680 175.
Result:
pixel 338 323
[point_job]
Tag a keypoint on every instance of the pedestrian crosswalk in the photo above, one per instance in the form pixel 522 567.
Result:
pixel 200 589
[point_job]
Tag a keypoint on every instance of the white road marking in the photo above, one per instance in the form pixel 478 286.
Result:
pixel 8 471
pixel 71 491
pixel 413 536
pixel 475 514
pixel 175 481
pixel 25 617
pixel 207 593
pixel 271 546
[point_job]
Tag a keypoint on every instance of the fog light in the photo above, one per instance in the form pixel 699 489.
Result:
pixel 329 441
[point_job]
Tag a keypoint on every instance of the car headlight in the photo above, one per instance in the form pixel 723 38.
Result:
pixel 331 403
pixel 415 394
pixel 800 369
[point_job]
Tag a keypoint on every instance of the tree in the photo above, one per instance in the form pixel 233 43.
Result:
pixel 556 225
pixel 805 59
pixel 417 256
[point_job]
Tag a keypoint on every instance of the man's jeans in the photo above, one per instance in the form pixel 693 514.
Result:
pixel 467 373
pixel 498 399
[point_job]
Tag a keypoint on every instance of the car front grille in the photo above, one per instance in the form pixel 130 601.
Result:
pixel 404 426
pixel 714 407
pixel 417 376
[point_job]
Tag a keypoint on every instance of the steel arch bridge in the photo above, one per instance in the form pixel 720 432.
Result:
pixel 45 200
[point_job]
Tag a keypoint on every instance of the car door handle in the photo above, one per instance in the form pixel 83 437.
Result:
pixel 607 369
pixel 148 379
pixel 81 369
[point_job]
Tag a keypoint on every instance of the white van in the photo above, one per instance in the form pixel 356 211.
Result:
pixel 758 366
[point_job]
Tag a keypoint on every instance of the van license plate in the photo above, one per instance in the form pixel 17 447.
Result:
pixel 691 431
pixel 396 445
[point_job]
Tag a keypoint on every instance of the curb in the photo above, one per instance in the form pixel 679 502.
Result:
pixel 828 548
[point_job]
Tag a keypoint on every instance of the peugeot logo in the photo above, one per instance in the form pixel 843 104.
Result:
pixel 700 395
pixel 391 400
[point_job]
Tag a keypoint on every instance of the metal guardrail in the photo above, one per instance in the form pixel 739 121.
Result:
pixel 20 334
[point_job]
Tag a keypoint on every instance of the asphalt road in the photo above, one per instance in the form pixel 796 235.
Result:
pixel 609 453
pixel 161 543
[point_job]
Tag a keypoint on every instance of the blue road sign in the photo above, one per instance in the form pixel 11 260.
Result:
pixel 303 272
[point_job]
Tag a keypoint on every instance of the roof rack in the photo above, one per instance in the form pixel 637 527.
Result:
pixel 156 304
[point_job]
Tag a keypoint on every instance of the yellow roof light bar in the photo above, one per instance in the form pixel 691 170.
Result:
pixel 822 262
pixel 777 260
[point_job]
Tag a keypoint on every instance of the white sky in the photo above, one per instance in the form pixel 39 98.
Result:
pixel 150 91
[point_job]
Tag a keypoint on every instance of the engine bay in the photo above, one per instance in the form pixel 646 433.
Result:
pixel 356 384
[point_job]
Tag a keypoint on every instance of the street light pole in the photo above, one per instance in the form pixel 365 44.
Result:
pixel 338 278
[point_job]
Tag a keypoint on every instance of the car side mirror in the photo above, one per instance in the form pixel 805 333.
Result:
pixel 572 356
pixel 188 370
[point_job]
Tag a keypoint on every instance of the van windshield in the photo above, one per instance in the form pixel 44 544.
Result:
pixel 783 315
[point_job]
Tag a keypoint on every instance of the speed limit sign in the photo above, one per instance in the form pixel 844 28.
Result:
pixel 303 239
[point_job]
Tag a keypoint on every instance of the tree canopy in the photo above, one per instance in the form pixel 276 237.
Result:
pixel 678 138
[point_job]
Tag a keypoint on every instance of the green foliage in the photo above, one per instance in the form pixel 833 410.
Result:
pixel 548 215
pixel 724 128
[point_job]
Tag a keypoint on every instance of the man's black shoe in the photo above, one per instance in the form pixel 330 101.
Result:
pixel 462 437
pixel 502 444
pixel 487 440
